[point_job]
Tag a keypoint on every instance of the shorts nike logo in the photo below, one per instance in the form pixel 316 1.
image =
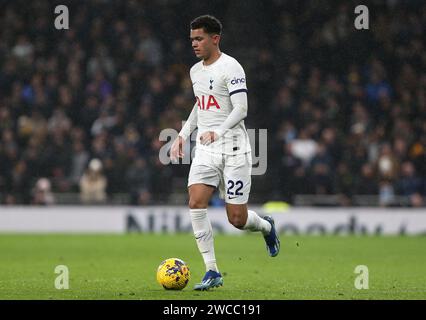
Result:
pixel 232 197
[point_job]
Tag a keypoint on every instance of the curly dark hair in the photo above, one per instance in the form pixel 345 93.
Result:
pixel 210 24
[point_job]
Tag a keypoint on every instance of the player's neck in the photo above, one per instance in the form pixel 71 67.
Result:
pixel 213 58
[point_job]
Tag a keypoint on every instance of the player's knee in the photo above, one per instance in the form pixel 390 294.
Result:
pixel 237 221
pixel 197 204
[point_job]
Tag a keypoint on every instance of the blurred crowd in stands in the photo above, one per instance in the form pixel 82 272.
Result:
pixel 81 109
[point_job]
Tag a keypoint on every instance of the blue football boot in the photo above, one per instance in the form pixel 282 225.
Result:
pixel 211 279
pixel 272 241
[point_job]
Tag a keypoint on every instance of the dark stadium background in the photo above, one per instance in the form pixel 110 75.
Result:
pixel 82 186
pixel 106 87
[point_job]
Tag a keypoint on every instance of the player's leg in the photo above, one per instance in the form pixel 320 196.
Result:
pixel 237 175
pixel 203 180
pixel 244 219
pixel 199 197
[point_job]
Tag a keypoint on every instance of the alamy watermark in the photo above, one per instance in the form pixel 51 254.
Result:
pixel 257 140
pixel 362 20
pixel 62 21
pixel 62 280
pixel 361 280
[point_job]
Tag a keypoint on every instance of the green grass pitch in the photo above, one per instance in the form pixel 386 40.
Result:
pixel 124 267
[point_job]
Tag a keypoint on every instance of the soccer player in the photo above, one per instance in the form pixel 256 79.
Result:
pixel 223 154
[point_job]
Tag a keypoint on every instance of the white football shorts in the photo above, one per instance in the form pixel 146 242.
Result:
pixel 231 174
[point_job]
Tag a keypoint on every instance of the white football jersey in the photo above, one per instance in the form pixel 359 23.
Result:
pixel 213 87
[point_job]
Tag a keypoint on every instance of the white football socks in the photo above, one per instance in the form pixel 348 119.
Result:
pixel 256 223
pixel 204 236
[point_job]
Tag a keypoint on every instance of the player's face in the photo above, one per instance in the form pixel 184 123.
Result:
pixel 203 43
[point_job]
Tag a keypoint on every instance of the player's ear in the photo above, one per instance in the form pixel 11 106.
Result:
pixel 216 38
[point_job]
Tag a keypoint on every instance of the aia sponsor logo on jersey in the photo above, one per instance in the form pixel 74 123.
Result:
pixel 238 80
pixel 206 102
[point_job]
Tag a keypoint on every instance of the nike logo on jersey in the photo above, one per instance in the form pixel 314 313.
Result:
pixel 230 198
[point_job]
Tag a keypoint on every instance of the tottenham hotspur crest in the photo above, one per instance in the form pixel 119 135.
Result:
pixel 211 84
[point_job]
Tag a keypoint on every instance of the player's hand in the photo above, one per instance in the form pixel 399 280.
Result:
pixel 208 137
pixel 176 151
